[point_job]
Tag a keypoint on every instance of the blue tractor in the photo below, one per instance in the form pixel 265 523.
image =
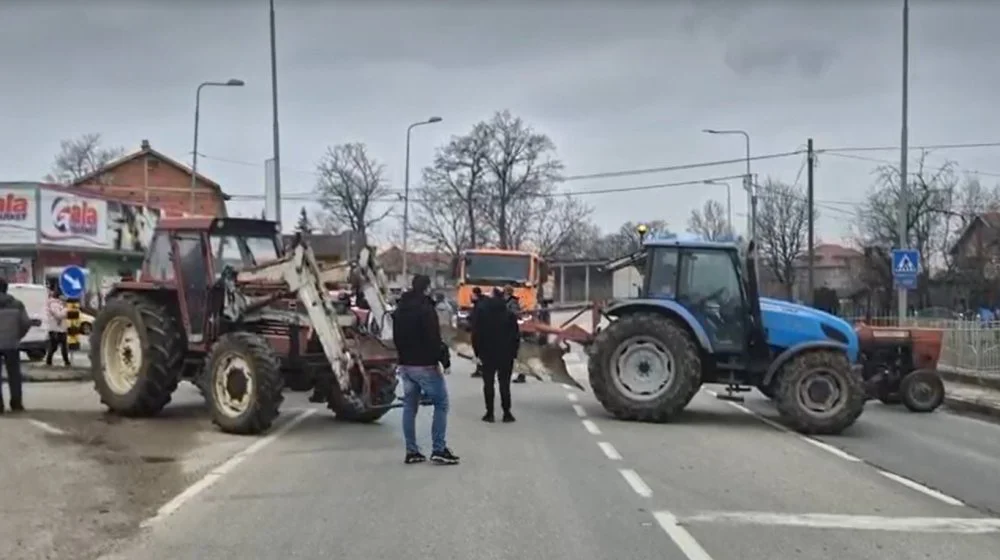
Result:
pixel 697 318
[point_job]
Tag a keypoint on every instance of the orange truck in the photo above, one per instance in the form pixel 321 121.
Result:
pixel 489 268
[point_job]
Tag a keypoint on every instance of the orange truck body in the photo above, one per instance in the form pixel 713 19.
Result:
pixel 490 268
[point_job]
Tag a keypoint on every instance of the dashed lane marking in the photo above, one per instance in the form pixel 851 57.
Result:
pixel 580 411
pixel 610 451
pixel 225 468
pixel 913 485
pixel 567 387
pixel 638 485
pixel 591 427
pixel 46 427
pixel 836 451
pixel 571 397
pixel 963 525
pixel 684 540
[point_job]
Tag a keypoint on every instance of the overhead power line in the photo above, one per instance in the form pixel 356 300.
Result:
pixel 960 146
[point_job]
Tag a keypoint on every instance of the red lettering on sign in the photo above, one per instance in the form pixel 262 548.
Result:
pixel 13 208
pixel 76 218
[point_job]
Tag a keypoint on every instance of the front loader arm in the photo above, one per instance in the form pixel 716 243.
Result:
pixel 368 276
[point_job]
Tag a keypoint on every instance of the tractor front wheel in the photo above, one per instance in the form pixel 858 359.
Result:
pixel 244 383
pixel 922 390
pixel 644 367
pixel 350 407
pixel 819 393
pixel 136 355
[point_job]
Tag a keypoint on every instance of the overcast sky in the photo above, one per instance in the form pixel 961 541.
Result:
pixel 617 85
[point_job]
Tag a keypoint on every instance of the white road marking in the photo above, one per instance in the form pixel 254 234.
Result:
pixel 567 387
pixel 965 525
pixel 591 427
pixel 711 392
pixel 579 411
pixel 212 477
pixel 913 485
pixel 681 537
pixel 46 427
pixel 635 481
pixel 572 397
pixel 610 451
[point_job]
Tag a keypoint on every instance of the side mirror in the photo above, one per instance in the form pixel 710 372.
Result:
pixel 454 268
pixel 543 272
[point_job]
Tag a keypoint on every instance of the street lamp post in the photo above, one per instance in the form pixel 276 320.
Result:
pixel 747 180
pixel 729 203
pixel 904 188
pixel 406 191
pixel 197 110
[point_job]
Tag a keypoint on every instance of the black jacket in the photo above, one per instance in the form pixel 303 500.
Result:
pixel 495 332
pixel 416 332
pixel 14 322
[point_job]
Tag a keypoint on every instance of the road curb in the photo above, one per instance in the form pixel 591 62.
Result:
pixel 957 376
pixel 969 406
pixel 52 376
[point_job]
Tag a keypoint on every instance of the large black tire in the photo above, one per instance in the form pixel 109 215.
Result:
pixel 679 389
pixel 162 355
pixel 767 390
pixel 848 407
pixel 263 395
pixel 922 390
pixel 350 407
pixel 35 355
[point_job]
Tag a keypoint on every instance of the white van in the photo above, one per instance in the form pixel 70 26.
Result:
pixel 33 296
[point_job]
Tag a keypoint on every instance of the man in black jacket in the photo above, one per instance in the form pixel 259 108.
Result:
pixel 417 335
pixel 498 338
pixel 514 305
pixel 14 324
pixel 477 298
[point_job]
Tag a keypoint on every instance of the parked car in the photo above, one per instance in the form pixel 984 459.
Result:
pixel 33 296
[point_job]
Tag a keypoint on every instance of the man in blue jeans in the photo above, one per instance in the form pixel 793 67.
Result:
pixel 417 335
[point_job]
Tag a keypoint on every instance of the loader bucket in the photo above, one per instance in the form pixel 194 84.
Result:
pixel 543 361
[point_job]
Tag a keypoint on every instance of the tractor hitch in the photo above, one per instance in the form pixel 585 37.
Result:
pixel 730 395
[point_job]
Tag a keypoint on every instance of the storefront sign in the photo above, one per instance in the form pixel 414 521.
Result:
pixel 18 216
pixel 70 220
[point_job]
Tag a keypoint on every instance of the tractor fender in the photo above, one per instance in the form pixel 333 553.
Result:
pixel 667 307
pixel 790 353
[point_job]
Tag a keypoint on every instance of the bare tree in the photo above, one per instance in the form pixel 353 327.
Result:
pixel 563 229
pixel 80 157
pixel 350 184
pixel 449 203
pixel 711 222
pixel 782 228
pixel 626 239
pixel 522 168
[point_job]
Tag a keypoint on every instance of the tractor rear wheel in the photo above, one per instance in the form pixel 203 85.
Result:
pixel 819 393
pixel 136 355
pixel 644 367
pixel 351 407
pixel 922 390
pixel 244 383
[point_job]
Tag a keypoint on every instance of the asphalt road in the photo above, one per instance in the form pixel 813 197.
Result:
pixel 564 482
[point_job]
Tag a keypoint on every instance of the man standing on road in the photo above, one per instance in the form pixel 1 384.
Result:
pixel 515 307
pixel 14 324
pixel 417 335
pixel 477 298
pixel 498 335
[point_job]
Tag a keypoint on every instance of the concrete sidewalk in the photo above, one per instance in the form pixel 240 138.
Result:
pixel 972 392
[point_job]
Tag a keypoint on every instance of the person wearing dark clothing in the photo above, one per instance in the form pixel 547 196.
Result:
pixel 477 297
pixel 14 324
pixel 417 335
pixel 515 307
pixel 497 338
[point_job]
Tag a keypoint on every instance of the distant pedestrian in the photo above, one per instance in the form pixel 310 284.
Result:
pixel 55 315
pixel 498 338
pixel 417 335
pixel 14 324
pixel 514 305
pixel 477 298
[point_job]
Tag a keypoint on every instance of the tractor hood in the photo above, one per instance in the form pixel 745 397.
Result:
pixel 789 324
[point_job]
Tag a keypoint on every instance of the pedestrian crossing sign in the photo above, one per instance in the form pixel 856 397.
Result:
pixel 905 267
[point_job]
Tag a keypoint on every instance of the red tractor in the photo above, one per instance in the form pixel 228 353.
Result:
pixel 220 303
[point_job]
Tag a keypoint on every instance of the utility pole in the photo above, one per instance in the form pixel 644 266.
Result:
pixel 810 162
pixel 274 122
pixel 904 188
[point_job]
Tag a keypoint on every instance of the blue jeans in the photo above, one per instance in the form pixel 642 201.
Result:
pixel 428 381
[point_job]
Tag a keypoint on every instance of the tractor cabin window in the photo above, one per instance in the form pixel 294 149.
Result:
pixel 242 251
pixel 662 273
pixel 710 289
pixel 158 262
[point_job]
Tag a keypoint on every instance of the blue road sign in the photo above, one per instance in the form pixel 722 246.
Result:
pixel 72 282
pixel 905 267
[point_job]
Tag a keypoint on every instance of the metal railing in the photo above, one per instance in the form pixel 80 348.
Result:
pixel 970 346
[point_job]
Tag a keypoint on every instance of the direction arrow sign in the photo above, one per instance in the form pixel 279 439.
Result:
pixel 905 267
pixel 72 281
